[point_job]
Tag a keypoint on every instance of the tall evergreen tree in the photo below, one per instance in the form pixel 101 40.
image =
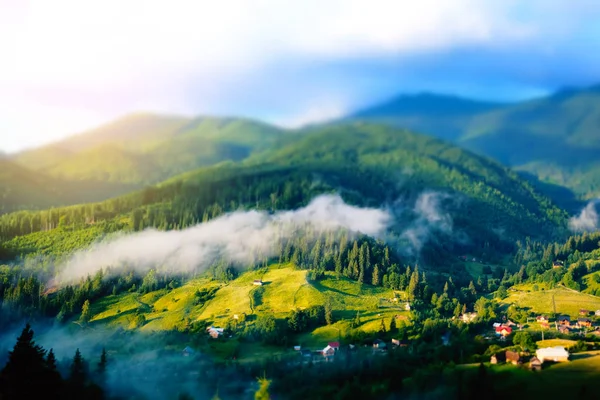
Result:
pixel 27 374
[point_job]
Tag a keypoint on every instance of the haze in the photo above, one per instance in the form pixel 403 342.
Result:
pixel 68 65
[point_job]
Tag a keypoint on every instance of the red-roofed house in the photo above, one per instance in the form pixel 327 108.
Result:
pixel 503 330
pixel 334 345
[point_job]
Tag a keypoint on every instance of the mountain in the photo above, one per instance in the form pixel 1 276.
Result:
pixel 441 115
pixel 144 148
pixel 21 188
pixel 555 138
pixel 438 193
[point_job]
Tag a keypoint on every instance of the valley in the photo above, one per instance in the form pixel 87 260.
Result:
pixel 337 250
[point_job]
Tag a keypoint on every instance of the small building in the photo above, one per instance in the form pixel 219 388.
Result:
pixel 257 282
pixel 584 313
pixel 188 351
pixel 597 313
pixel 334 345
pixel 395 342
pixel 557 264
pixel 513 357
pixel 297 348
pixel 503 330
pixel 565 330
pixel 535 364
pixel 584 322
pixel 542 319
pixel 556 354
pixel 379 344
pixel 564 320
pixel 494 359
pixel 468 317
pixel 214 333
pixel 328 351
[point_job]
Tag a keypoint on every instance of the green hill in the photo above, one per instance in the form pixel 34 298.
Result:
pixel 145 148
pixel 555 137
pixel 23 189
pixel 453 200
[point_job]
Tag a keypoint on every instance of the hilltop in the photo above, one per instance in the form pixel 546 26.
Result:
pixel 441 195
pixel 146 148
pixel 554 137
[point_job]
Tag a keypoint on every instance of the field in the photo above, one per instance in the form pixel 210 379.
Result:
pixel 579 377
pixel 284 289
pixel 567 301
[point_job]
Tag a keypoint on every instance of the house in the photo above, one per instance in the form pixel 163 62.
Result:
pixel 328 351
pixel 597 313
pixel 503 330
pixel 556 354
pixel 565 330
pixel 513 357
pixel 395 342
pixel 297 348
pixel 493 359
pixel 564 320
pixel 334 345
pixel 557 264
pixel 542 319
pixel 257 282
pixel 584 322
pixel 584 313
pixel 214 333
pixel 535 364
pixel 379 344
pixel 468 317
pixel 188 351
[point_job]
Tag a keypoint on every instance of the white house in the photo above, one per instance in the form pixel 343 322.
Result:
pixel 556 354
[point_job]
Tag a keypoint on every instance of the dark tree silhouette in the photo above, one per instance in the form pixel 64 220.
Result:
pixel 27 373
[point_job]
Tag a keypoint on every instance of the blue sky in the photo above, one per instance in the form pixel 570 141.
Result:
pixel 70 65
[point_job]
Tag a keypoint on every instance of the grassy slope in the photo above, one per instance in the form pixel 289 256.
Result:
pixel 577 377
pixel 147 148
pixel 285 288
pixel 567 301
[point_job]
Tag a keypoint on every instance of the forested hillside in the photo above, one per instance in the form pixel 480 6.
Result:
pixel 555 137
pixel 483 206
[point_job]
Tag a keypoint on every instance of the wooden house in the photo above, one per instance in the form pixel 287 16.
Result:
pixel 535 364
pixel 257 282
pixel 564 320
pixel 584 322
pixel 513 357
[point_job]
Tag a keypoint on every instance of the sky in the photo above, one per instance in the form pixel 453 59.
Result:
pixel 70 65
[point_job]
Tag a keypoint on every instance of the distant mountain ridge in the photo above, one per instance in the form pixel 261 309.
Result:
pixel 556 138
pixel 142 149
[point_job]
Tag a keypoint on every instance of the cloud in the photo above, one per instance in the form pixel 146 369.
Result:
pixel 240 238
pixel 68 65
pixel 430 220
pixel 587 220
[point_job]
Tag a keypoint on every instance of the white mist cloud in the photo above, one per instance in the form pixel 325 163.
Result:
pixel 430 219
pixel 240 238
pixel 587 220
